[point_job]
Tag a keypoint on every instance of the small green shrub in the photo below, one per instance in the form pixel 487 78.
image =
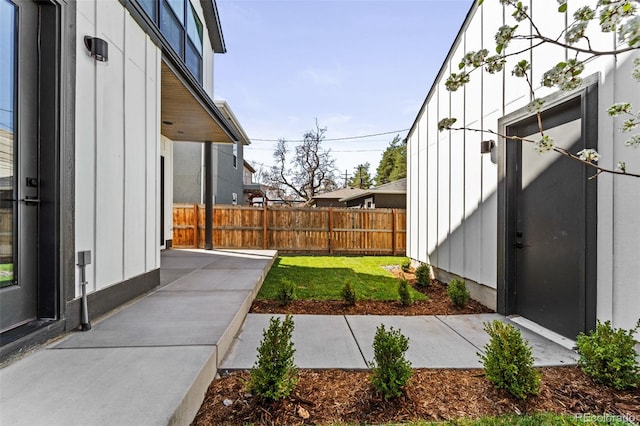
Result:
pixel 349 294
pixel 423 275
pixel 406 265
pixel 274 375
pixel 608 356
pixel 404 292
pixel 286 292
pixel 458 293
pixel 508 362
pixel 391 371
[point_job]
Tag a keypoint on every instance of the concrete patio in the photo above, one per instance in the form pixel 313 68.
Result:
pixel 148 363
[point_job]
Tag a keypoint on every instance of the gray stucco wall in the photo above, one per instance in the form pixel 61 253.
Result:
pixel 187 173
pixel 227 178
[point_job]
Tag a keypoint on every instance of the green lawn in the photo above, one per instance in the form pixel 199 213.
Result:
pixel 322 277
pixel 536 420
pixel 546 419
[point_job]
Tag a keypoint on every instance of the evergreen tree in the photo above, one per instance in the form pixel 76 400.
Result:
pixel 393 165
pixel 361 177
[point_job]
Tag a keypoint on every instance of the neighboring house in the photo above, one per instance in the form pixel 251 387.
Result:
pixel 531 234
pixel 253 192
pixel 392 195
pixel 103 90
pixel 334 198
pixel 227 160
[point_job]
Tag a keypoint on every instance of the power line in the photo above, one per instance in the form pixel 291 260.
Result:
pixel 333 150
pixel 333 139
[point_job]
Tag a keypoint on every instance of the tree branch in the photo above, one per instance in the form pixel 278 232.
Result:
pixel 559 150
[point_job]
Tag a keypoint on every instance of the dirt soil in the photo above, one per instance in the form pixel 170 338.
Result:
pixel 328 396
pixel 438 304
pixel 339 396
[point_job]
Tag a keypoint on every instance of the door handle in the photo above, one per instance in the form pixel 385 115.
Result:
pixel 519 245
pixel 30 201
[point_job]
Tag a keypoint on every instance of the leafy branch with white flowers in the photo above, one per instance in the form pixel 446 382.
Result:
pixel 613 16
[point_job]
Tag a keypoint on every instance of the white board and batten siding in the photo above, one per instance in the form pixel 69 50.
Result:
pixel 117 147
pixel 452 206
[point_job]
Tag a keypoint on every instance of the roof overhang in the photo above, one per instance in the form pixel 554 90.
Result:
pixel 212 20
pixel 188 114
pixel 248 166
pixel 225 110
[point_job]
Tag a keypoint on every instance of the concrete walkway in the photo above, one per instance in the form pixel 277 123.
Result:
pixel 346 341
pixel 149 363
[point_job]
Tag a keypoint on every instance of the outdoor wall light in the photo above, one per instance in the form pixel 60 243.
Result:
pixel 487 146
pixel 97 47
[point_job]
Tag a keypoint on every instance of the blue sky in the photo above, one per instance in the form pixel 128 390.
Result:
pixel 359 66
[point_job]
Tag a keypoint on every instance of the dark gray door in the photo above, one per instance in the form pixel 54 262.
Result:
pixel 550 206
pixel 19 178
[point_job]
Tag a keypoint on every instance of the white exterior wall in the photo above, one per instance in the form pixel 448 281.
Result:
pixel 117 146
pixel 452 206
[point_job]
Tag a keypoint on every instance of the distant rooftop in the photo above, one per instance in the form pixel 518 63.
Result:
pixel 396 187
pixel 340 193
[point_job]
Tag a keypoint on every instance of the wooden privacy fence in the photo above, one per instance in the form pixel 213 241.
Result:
pixel 293 230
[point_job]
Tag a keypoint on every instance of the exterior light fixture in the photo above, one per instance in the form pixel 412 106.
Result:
pixel 97 47
pixel 487 146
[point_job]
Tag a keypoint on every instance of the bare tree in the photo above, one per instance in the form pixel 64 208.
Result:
pixel 307 171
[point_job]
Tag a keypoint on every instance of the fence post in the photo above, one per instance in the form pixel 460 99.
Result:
pixel 264 225
pixel 196 226
pixel 394 221
pixel 330 230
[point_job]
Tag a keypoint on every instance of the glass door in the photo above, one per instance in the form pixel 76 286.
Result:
pixel 19 192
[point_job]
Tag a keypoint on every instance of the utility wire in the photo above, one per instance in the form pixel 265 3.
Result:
pixel 332 150
pixel 333 139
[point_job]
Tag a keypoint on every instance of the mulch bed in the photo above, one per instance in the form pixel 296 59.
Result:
pixel 438 304
pixel 339 396
pixel 327 396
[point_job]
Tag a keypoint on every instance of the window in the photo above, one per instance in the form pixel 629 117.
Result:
pixel 235 155
pixel 151 8
pixel 194 28
pixel 180 25
pixel 8 85
pixel 7 68
pixel 193 57
pixel 172 29
pixel 178 8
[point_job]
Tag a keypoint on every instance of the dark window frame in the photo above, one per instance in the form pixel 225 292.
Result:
pixel 188 47
pixel 14 117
